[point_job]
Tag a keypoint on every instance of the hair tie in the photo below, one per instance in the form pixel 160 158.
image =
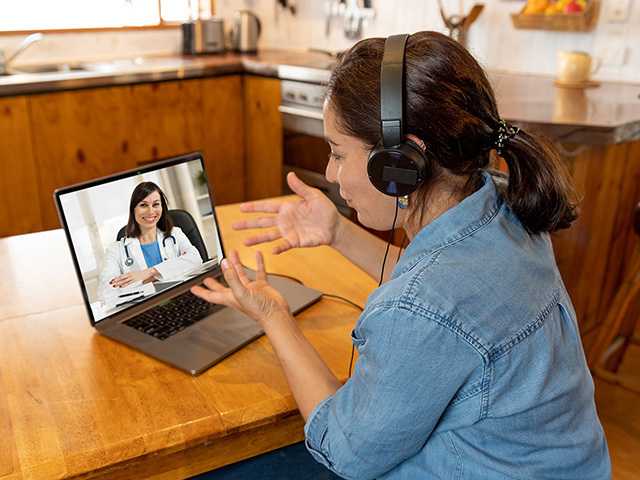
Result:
pixel 503 133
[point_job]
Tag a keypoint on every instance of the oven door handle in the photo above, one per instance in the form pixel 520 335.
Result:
pixel 301 112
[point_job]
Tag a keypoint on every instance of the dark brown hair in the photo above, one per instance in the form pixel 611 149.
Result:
pixel 142 191
pixel 450 105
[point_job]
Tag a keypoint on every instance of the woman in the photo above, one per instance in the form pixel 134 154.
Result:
pixel 151 249
pixel 470 362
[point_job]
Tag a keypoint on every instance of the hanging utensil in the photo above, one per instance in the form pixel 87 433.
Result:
pixel 473 15
pixel 458 25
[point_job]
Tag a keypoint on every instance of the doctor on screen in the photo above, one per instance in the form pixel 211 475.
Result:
pixel 151 248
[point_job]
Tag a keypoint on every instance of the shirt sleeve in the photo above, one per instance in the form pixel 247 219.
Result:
pixel 411 364
pixel 110 269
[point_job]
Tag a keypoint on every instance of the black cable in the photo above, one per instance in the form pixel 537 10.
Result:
pixel 403 245
pixel 386 252
pixel 328 295
pixel 353 352
pixel 384 261
pixel 338 297
pixel 286 276
pixel 333 296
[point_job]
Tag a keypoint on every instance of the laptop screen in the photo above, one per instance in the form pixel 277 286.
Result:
pixel 136 234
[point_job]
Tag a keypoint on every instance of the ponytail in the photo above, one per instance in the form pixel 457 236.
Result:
pixel 539 192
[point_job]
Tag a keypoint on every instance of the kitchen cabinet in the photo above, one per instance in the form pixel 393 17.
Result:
pixel 78 136
pixel 82 135
pixel 593 254
pixel 19 192
pixel 224 138
pixel 263 125
pixel 207 115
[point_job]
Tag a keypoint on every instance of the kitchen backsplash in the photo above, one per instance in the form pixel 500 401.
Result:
pixel 492 39
pixel 65 47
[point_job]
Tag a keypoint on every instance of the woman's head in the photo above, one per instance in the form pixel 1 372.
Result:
pixel 148 209
pixel 450 106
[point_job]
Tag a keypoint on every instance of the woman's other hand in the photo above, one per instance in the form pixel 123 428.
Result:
pixel 256 298
pixel 143 276
pixel 310 222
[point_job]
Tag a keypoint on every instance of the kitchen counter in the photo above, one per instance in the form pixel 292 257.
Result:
pixel 606 114
pixel 313 66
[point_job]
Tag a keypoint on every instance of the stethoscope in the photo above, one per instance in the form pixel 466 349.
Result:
pixel 129 261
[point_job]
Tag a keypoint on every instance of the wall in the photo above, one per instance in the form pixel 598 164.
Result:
pixel 64 47
pixel 493 40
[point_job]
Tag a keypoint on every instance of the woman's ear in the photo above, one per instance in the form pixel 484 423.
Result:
pixel 417 141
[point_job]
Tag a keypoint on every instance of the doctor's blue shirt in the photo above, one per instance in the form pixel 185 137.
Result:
pixel 151 252
pixel 470 363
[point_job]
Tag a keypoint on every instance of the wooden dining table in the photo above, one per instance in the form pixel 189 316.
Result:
pixel 75 404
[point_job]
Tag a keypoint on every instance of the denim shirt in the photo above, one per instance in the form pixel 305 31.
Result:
pixel 470 363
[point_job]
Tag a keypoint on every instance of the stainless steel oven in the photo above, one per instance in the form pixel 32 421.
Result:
pixel 305 150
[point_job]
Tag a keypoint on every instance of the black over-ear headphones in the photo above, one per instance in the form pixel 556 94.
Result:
pixel 396 166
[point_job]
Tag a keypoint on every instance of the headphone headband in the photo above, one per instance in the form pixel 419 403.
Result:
pixel 392 90
pixel 396 167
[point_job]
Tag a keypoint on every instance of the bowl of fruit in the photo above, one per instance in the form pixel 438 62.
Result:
pixel 571 15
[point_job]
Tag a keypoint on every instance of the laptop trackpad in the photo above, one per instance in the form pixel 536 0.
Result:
pixel 223 330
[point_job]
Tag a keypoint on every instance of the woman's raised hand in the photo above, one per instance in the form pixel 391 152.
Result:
pixel 309 222
pixel 255 298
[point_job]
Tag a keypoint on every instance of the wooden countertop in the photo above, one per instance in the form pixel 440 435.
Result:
pixel 606 114
pixel 77 404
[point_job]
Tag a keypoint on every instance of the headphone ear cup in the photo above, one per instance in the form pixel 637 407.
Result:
pixel 397 171
pixel 419 157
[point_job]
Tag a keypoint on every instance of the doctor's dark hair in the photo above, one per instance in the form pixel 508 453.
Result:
pixel 450 105
pixel 142 191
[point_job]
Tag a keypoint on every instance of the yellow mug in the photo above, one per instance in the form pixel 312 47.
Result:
pixel 575 67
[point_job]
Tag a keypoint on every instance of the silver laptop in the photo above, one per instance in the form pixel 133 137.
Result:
pixel 135 277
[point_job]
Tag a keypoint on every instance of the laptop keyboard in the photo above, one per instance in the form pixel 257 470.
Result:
pixel 172 317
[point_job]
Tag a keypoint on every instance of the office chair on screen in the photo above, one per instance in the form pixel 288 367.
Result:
pixel 184 220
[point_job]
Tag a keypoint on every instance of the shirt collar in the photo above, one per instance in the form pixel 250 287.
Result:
pixel 457 222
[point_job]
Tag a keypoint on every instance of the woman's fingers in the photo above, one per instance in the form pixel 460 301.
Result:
pixel 266 206
pixel 261 274
pixel 237 265
pixel 262 238
pixel 211 296
pixel 231 276
pixel 281 247
pixel 214 285
pixel 298 186
pixel 262 222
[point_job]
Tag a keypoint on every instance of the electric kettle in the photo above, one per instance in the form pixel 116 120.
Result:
pixel 245 32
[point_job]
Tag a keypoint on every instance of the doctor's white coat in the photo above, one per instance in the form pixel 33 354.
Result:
pixel 177 259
